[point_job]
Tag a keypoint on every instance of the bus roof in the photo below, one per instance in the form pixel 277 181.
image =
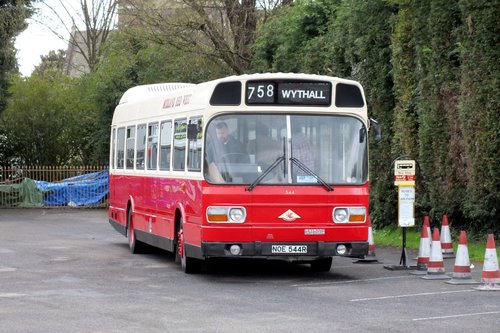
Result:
pixel 149 90
pixel 163 98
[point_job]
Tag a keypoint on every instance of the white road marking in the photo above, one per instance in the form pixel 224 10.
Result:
pixel 458 315
pixel 7 269
pixel 315 284
pixel 11 295
pixel 410 295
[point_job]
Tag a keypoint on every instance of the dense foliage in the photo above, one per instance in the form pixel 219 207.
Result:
pixel 431 75
pixel 12 16
pixel 44 121
pixel 57 120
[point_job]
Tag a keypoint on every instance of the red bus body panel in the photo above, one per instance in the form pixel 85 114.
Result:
pixel 155 200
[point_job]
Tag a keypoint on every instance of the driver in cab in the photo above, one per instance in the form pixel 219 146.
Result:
pixel 233 150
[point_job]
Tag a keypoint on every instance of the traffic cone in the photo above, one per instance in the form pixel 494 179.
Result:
pixel 423 253
pixel 462 272
pixel 370 258
pixel 490 279
pixel 427 223
pixel 446 242
pixel 435 268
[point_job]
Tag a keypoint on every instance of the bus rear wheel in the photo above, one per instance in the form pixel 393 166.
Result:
pixel 322 265
pixel 189 265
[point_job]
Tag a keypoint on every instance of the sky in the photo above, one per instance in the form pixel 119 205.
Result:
pixel 37 40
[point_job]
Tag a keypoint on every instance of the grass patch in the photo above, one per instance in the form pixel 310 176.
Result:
pixel 394 237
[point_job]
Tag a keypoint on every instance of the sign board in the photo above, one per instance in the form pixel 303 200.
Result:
pixel 406 206
pixel 276 92
pixel 404 172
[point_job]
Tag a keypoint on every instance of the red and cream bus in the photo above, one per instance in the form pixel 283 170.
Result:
pixel 254 166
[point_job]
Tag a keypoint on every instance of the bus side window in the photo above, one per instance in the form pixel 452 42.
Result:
pixel 112 155
pixel 120 143
pixel 140 147
pixel 195 142
pixel 130 147
pixel 152 148
pixel 165 144
pixel 180 141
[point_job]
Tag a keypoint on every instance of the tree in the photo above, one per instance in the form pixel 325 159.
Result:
pixel 88 28
pixel 294 38
pixel 44 122
pixel 54 61
pixel 12 16
pixel 126 62
pixel 219 30
pixel 478 41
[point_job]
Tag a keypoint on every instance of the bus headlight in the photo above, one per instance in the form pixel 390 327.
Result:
pixel 237 215
pixel 340 215
pixel 226 214
pixel 349 215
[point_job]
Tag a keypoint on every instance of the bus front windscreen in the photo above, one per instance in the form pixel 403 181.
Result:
pixel 285 149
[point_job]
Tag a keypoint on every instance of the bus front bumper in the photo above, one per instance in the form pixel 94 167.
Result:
pixel 290 250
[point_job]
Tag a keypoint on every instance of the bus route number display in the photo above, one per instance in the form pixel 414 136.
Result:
pixel 288 93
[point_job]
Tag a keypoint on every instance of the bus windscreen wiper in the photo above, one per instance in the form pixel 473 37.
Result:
pixel 265 173
pixel 304 168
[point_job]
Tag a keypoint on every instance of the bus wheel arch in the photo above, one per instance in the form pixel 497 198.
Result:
pixel 135 245
pixel 189 265
pixel 177 223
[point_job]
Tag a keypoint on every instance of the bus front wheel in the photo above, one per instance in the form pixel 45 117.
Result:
pixel 322 265
pixel 189 265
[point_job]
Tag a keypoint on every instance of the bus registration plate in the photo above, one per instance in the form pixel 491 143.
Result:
pixel 289 249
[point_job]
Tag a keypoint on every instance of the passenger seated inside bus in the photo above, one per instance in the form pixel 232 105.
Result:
pixel 264 150
pixel 303 151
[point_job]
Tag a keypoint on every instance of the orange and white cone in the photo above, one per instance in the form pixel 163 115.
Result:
pixel 370 257
pixel 490 279
pixel 461 272
pixel 423 253
pixel 435 268
pixel 446 242
pixel 427 224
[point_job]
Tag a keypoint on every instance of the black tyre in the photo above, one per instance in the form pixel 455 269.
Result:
pixel 322 265
pixel 189 265
pixel 134 245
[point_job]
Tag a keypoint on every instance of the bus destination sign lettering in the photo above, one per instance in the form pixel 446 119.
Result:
pixel 288 93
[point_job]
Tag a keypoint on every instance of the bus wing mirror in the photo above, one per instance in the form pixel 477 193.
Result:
pixel 375 127
pixel 362 134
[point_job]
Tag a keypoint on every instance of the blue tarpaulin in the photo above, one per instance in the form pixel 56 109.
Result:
pixel 84 190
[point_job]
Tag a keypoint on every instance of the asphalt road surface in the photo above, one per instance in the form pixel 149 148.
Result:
pixel 70 271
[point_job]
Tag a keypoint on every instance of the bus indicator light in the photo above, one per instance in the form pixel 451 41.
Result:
pixel 224 214
pixel 349 214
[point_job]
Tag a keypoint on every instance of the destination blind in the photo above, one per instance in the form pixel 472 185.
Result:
pixel 288 93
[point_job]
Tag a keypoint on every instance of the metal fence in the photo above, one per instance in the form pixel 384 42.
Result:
pixel 54 186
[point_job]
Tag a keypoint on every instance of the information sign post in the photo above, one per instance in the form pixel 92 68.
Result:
pixel 404 179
